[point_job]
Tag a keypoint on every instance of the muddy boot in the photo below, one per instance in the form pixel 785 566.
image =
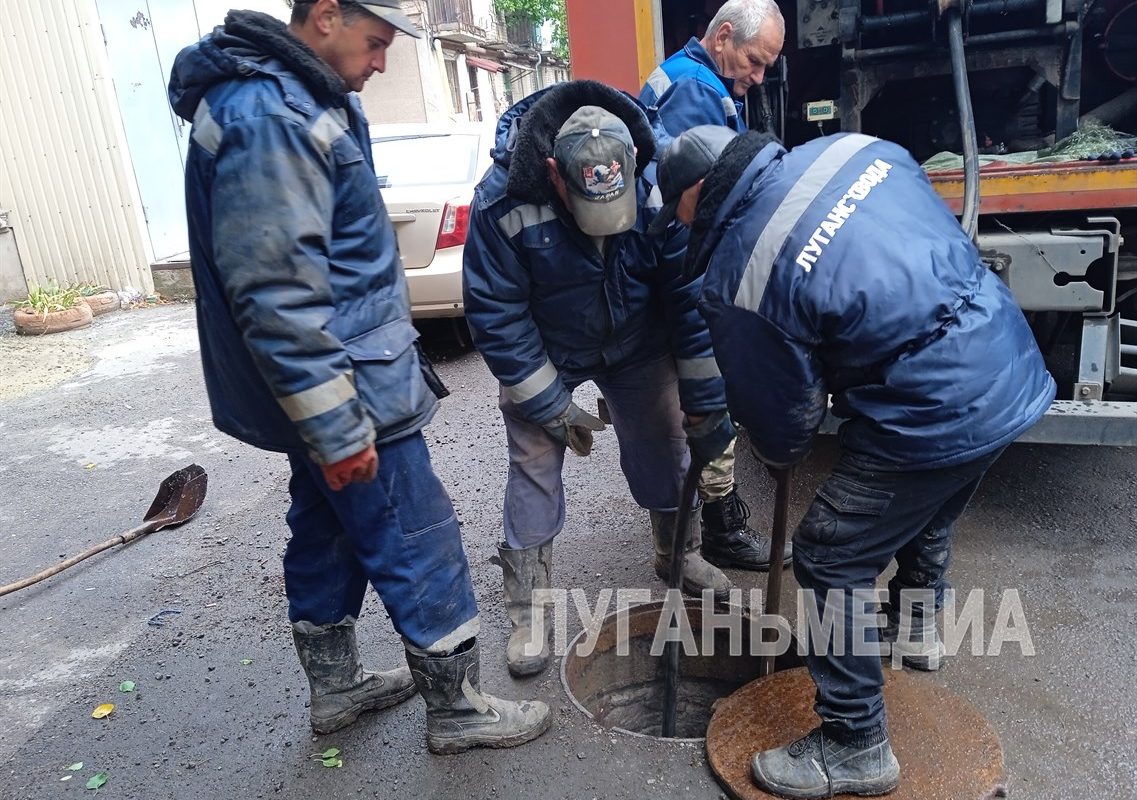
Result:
pixel 341 688
pixel 697 573
pixel 728 541
pixel 459 716
pixel 816 766
pixel 911 641
pixel 523 572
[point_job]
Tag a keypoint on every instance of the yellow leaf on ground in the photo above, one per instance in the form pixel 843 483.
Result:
pixel 103 711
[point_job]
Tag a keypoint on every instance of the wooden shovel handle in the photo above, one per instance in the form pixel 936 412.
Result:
pixel 122 538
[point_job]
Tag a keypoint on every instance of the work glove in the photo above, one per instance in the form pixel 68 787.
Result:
pixel 359 468
pixel 709 438
pixel 573 428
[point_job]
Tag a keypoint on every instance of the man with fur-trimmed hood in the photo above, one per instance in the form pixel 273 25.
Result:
pixel 308 349
pixel 563 285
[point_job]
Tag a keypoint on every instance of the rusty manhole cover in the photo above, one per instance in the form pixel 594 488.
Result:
pixel 946 749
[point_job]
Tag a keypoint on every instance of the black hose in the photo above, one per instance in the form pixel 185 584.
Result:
pixel 678 550
pixel 970 218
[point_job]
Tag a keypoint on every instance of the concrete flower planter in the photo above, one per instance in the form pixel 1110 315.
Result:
pixel 31 323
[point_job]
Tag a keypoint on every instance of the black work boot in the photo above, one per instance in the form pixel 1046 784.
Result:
pixel 910 640
pixel 730 543
pixel 697 573
pixel 341 688
pixel 816 766
pixel 524 572
pixel 459 716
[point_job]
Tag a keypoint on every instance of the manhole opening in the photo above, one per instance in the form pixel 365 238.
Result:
pixel 619 683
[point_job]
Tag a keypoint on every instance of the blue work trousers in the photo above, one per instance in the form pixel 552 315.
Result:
pixel 398 532
pixel 643 401
pixel 862 518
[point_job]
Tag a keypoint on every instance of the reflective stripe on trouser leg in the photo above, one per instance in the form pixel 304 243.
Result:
pixel 534 508
pixel 644 403
pixel 717 478
pixel 403 534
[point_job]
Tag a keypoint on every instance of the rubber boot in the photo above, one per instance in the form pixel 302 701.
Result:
pixel 341 689
pixel 730 542
pixel 459 716
pixel 523 572
pixel 697 573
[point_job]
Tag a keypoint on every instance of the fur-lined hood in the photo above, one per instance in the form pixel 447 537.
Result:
pixel 250 42
pixel 526 131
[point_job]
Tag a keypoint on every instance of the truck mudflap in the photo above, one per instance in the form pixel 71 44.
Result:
pixel 1096 422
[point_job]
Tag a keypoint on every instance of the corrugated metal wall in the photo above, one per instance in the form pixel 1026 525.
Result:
pixel 64 169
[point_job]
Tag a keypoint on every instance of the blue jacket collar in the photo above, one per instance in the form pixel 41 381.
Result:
pixel 695 51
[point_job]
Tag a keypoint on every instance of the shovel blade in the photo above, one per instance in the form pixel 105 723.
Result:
pixel 178 499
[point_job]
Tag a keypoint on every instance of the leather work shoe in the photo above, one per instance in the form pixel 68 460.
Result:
pixel 816 766
pixel 729 543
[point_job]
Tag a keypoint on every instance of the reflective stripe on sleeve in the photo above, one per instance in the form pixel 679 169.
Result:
pixel 532 386
pixel 697 368
pixel 319 399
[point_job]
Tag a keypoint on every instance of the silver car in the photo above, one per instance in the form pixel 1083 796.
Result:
pixel 427 173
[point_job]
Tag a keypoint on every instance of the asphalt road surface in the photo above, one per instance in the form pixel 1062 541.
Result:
pixel 92 420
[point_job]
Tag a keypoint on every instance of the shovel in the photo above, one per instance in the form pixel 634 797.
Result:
pixel 178 499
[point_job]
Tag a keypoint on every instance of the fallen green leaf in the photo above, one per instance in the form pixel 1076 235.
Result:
pixel 332 762
pixel 331 752
pixel 97 781
pixel 78 765
pixel 126 686
pixel 246 661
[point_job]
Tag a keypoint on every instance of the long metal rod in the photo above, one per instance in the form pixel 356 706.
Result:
pixel 678 550
pixel 777 547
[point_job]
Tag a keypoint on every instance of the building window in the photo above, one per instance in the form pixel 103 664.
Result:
pixel 475 112
pixel 455 86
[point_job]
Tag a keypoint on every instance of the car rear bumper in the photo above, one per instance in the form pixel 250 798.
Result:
pixel 436 289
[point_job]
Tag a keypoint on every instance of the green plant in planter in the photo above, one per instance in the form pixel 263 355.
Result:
pixel 90 289
pixel 45 299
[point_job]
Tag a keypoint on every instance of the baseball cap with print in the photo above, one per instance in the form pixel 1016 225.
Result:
pixel 596 158
pixel 391 11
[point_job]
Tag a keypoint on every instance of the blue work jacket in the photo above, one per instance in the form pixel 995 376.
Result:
pixel 687 90
pixel 306 338
pixel 835 269
pixel 548 310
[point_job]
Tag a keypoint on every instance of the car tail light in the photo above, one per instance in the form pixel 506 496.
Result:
pixel 455 223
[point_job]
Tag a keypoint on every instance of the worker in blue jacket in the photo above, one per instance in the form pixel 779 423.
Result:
pixel 700 85
pixel 308 349
pixel 562 286
pixel 835 270
pixel 704 83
